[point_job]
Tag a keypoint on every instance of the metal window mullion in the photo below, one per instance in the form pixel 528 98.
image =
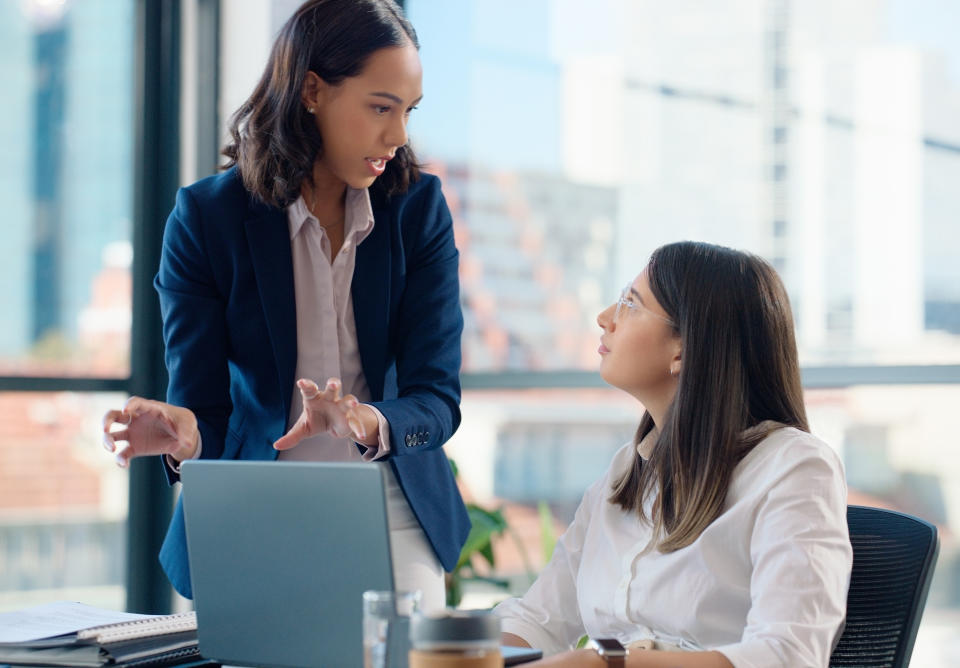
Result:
pixel 813 377
pixel 156 160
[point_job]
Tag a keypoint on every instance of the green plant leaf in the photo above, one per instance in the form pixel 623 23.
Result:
pixel 494 516
pixel 484 524
pixel 454 589
pixel 487 553
pixel 548 537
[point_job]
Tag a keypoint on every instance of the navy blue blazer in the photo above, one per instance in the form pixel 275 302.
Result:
pixel 229 323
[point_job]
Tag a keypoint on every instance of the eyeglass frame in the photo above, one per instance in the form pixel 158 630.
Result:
pixel 635 306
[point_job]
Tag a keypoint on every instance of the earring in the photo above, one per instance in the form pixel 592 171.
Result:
pixel 310 110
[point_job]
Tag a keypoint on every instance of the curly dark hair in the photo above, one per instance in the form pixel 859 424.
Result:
pixel 274 141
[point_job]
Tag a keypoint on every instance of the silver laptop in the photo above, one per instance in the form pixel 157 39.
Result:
pixel 280 555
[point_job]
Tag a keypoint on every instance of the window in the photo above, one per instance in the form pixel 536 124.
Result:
pixel 67 130
pixel 574 139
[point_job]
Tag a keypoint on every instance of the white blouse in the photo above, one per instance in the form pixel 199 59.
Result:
pixel 765 583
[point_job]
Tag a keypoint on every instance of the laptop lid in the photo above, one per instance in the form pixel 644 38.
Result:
pixel 280 555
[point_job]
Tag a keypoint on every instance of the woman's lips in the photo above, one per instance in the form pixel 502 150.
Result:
pixel 377 165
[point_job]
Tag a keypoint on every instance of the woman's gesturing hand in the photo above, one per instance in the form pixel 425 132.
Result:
pixel 327 411
pixel 151 428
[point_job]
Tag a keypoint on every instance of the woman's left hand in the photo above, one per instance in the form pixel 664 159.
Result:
pixel 327 411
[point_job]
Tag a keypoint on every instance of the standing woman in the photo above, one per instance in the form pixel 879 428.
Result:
pixel 718 537
pixel 321 254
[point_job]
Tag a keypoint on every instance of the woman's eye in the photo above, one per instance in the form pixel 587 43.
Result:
pixel 380 109
pixel 409 110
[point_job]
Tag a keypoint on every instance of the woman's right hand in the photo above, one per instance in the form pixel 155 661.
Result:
pixel 151 428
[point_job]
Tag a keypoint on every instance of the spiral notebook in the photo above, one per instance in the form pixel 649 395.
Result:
pixel 146 627
pixel 74 634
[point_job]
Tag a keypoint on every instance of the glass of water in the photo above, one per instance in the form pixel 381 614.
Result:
pixel 386 627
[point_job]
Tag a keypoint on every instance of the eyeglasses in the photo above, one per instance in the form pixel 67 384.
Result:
pixel 626 301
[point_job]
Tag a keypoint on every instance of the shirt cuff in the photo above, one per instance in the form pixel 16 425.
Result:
pixel 174 465
pixel 533 633
pixel 382 448
pixel 533 636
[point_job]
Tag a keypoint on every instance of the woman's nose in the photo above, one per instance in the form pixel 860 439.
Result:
pixel 605 317
pixel 397 133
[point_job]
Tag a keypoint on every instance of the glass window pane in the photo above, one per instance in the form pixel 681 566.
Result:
pixel 63 502
pixel 66 181
pixel 516 449
pixel 573 140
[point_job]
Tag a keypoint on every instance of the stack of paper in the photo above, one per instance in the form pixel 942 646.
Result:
pixel 74 634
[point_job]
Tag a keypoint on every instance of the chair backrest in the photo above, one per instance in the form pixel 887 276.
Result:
pixel 893 559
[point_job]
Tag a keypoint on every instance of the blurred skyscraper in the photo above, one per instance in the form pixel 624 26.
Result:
pixel 808 133
pixel 67 183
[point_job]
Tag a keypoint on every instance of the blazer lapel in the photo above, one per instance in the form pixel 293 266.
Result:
pixel 371 301
pixel 269 240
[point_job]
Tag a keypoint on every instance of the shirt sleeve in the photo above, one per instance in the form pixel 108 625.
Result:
pixel 382 448
pixel 548 615
pixel 801 555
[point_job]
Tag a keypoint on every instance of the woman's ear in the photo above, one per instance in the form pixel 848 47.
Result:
pixel 312 93
pixel 676 363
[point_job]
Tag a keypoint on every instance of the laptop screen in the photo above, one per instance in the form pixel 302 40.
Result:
pixel 280 555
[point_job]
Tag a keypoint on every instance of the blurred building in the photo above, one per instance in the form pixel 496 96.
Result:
pixel 66 184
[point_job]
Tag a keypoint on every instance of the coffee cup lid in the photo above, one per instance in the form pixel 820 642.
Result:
pixel 450 628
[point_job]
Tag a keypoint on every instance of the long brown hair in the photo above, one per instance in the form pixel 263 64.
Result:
pixel 274 141
pixel 739 369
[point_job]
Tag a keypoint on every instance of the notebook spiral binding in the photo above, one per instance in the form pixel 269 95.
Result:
pixel 140 628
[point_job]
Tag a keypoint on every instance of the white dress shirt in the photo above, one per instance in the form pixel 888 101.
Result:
pixel 327 347
pixel 765 583
pixel 326 330
pixel 327 337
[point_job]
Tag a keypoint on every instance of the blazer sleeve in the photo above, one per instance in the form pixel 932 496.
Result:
pixel 426 412
pixel 194 327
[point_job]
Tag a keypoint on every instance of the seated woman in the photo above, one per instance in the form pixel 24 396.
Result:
pixel 719 536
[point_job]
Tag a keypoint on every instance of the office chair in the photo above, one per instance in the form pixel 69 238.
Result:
pixel 893 559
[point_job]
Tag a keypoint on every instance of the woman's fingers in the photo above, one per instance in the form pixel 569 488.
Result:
pixel 110 440
pixel 352 416
pixel 308 390
pixel 113 417
pixel 124 456
pixel 324 410
pixel 297 433
pixel 110 435
pixel 312 393
pixel 356 428
pixel 333 387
